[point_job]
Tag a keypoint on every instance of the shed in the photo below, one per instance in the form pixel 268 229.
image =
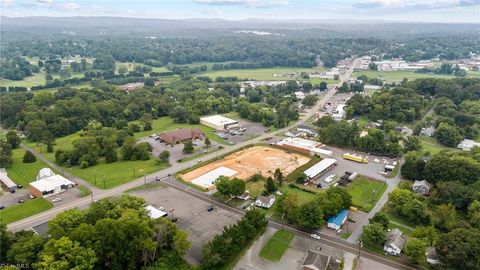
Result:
pixel 316 170
pixel 6 181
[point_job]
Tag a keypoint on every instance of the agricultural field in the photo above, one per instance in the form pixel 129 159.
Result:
pixel 396 76
pixel 276 245
pixel 23 210
pixel 131 66
pixel 366 192
pixel 36 79
pixel 264 74
pixel 24 173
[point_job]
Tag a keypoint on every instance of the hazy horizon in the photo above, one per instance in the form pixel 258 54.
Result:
pixel 409 11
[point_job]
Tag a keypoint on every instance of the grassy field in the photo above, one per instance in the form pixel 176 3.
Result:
pixel 115 173
pixel 431 145
pixel 163 124
pixel 303 196
pixel 264 74
pixel 36 79
pixel 24 173
pixel 276 246
pixel 362 191
pixel 396 76
pixel 131 66
pixel 23 210
pixel 397 222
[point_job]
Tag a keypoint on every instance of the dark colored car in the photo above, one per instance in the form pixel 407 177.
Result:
pixel 210 208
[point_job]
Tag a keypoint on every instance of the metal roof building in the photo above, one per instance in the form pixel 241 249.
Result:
pixel 319 168
pixel 218 122
pixel 207 181
pixel 6 181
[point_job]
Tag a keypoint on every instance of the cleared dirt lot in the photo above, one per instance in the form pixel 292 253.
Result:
pixel 192 215
pixel 257 159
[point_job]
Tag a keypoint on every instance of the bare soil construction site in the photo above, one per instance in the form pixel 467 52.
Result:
pixel 257 159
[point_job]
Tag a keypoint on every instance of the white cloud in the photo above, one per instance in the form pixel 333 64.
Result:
pixel 211 12
pixel 69 6
pixel 246 3
pixel 414 4
pixel 7 3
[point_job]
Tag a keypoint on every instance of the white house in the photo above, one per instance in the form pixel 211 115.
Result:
pixel 394 242
pixel 300 95
pixel 339 113
pixel 265 201
pixel 467 144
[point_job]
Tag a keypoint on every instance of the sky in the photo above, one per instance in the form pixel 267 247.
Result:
pixel 456 11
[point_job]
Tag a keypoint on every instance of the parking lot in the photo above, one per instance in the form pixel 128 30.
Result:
pixel 8 199
pixel 252 130
pixel 176 151
pixel 192 215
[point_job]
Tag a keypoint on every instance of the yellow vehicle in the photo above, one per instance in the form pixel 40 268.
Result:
pixel 355 158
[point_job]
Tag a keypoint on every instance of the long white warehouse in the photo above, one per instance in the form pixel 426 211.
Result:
pixel 207 181
pixel 318 169
pixel 219 122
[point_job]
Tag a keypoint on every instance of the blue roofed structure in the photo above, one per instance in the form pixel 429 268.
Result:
pixel 337 221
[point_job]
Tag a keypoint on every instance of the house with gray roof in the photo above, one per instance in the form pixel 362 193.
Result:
pixel 421 187
pixel 394 242
pixel 315 261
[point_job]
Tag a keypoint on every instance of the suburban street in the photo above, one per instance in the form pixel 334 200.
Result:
pixel 166 178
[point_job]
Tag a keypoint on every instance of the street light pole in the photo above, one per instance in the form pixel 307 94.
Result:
pixel 360 245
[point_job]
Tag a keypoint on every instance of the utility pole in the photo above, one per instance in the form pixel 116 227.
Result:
pixel 360 245
pixel 212 200
pixel 103 181
pixel 91 195
pixel 283 215
pixel 145 180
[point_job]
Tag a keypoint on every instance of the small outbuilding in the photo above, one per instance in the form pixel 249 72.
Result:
pixel 154 212
pixel 314 172
pixel 467 144
pixel 337 221
pixel 394 242
pixel 421 187
pixel 431 256
pixel 6 182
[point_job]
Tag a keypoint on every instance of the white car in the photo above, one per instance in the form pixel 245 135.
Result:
pixel 56 200
pixel 315 236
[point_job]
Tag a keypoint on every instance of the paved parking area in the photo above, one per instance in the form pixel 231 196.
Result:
pixel 176 151
pixel 8 199
pixel 253 130
pixel 192 215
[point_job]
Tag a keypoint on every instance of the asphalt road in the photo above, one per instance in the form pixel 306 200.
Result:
pixel 98 194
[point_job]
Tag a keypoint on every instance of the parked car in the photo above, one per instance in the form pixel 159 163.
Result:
pixel 2 207
pixel 12 190
pixel 31 196
pixel 210 208
pixel 21 201
pixel 56 200
pixel 315 236
pixel 19 186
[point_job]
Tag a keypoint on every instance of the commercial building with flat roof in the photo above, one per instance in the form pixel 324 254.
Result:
pixel 299 144
pixel 181 135
pixel 207 181
pixel 219 122
pixel 50 185
pixel 314 172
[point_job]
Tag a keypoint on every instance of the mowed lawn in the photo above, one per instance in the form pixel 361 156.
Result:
pixel 114 174
pixel 366 192
pixel 265 74
pixel 303 196
pixel 431 145
pixel 23 210
pixel 24 173
pixel 276 246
